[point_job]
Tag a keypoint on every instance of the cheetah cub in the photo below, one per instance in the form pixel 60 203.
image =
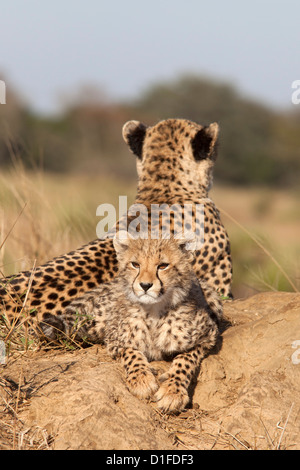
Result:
pixel 155 309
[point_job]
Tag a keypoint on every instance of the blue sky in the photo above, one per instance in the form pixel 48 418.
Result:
pixel 48 48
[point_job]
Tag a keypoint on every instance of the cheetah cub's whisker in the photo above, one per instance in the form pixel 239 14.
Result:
pixel 155 308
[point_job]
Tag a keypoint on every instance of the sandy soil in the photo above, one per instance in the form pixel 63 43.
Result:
pixel 245 397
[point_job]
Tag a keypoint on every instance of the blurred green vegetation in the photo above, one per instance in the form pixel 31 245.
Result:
pixel 258 145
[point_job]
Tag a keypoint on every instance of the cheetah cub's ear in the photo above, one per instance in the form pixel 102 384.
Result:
pixel 204 142
pixel 187 244
pixel 134 134
pixel 121 241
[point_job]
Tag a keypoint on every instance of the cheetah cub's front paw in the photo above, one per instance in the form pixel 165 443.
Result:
pixel 171 396
pixel 142 384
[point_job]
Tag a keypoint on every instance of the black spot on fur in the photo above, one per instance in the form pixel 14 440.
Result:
pixel 49 270
pixel 91 285
pixel 53 296
pixel 50 306
pixel 72 292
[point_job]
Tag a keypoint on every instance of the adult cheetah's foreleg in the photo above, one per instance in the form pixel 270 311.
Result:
pixel 140 379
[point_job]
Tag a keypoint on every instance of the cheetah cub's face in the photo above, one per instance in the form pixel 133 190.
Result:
pixel 154 272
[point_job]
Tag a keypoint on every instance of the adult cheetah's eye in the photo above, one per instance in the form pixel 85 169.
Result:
pixel 135 265
pixel 163 266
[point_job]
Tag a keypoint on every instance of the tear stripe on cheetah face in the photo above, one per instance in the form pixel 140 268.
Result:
pixel 175 160
pixel 185 326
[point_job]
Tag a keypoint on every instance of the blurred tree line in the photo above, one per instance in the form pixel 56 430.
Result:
pixel 258 145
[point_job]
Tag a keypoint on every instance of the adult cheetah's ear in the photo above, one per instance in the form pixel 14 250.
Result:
pixel 134 133
pixel 204 142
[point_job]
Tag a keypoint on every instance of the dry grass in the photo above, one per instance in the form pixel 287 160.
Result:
pixel 44 215
pixel 14 434
pixel 194 429
pixel 263 226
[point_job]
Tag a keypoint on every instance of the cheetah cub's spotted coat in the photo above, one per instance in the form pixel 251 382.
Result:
pixel 156 308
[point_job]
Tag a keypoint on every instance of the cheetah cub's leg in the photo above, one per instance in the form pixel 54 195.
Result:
pixel 173 392
pixel 140 379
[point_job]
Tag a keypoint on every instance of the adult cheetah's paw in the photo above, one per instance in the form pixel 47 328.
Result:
pixel 171 397
pixel 142 384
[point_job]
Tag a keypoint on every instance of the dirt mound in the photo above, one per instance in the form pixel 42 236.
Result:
pixel 246 395
pixel 252 385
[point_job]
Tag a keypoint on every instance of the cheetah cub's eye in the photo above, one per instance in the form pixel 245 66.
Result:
pixel 163 266
pixel 135 265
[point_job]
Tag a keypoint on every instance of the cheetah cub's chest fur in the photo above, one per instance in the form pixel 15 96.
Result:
pixel 155 308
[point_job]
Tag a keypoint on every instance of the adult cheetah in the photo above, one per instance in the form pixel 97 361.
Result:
pixel 175 160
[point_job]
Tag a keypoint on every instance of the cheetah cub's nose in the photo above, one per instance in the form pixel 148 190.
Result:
pixel 146 285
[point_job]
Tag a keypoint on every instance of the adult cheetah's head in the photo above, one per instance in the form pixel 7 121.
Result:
pixel 177 150
pixel 154 271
